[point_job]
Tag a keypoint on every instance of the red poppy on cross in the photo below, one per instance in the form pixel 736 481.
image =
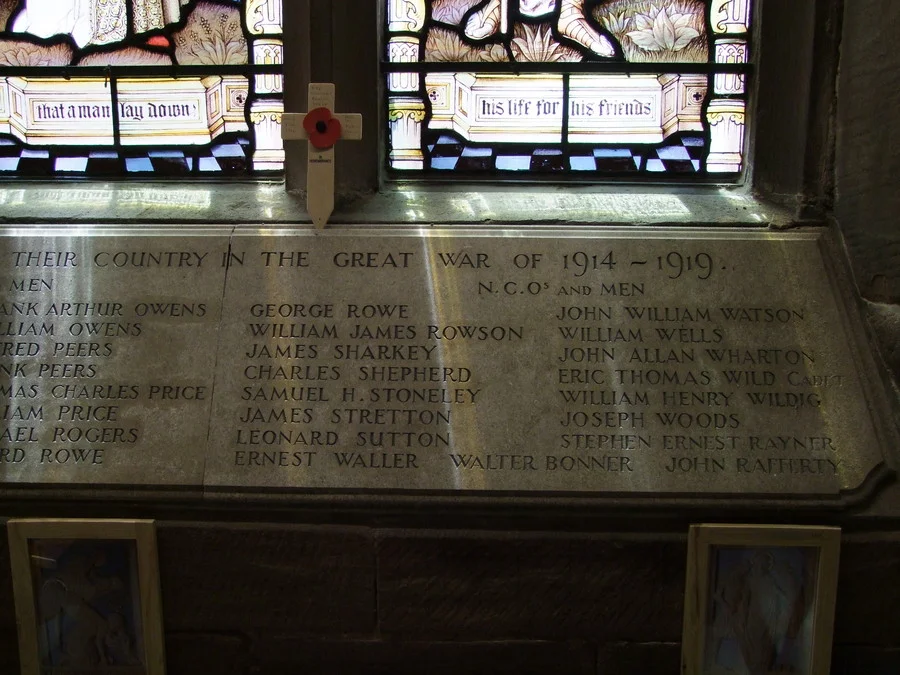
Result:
pixel 322 128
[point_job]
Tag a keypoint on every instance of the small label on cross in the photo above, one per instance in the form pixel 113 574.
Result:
pixel 322 127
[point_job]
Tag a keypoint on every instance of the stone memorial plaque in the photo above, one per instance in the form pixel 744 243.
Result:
pixel 664 363
pixel 107 356
pixel 588 362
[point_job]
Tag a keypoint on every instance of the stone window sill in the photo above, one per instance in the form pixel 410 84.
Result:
pixel 404 204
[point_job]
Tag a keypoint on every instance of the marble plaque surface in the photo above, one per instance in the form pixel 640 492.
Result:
pixel 606 362
pixel 107 356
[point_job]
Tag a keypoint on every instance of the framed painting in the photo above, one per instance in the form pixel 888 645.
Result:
pixel 87 597
pixel 759 600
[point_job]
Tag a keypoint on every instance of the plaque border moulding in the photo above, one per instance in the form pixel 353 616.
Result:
pixel 873 378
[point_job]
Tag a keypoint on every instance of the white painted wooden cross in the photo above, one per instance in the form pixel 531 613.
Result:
pixel 322 127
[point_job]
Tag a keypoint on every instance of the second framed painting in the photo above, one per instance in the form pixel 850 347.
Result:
pixel 759 600
pixel 87 597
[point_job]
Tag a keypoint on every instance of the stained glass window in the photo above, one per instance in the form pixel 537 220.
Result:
pixel 141 88
pixel 637 89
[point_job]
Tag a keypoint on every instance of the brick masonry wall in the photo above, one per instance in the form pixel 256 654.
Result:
pixel 265 599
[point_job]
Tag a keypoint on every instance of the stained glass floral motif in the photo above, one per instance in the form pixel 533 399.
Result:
pixel 151 87
pixel 631 88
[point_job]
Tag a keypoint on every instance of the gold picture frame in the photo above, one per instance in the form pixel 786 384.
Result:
pixel 759 599
pixel 87 596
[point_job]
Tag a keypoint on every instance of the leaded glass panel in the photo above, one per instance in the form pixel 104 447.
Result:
pixel 642 89
pixel 141 87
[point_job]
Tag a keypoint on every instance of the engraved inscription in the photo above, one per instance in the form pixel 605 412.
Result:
pixel 106 364
pixel 442 362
